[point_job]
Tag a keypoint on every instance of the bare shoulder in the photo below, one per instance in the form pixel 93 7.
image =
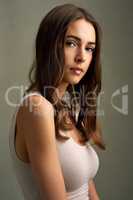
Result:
pixel 39 102
pixel 36 105
pixel 35 119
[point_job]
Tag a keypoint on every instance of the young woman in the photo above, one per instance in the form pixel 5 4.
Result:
pixel 55 124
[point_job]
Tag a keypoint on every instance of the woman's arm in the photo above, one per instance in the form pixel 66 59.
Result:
pixel 92 191
pixel 37 122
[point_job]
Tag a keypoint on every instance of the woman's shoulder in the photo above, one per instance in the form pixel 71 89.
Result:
pixel 35 100
pixel 34 105
pixel 34 120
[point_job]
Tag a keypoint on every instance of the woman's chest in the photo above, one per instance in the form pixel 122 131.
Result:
pixel 79 163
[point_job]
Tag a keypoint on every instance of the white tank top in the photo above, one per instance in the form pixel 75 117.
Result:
pixel 79 164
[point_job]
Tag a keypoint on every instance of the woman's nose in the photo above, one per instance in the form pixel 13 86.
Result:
pixel 80 57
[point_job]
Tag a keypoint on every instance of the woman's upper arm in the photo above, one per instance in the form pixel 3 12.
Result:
pixel 39 135
pixel 92 190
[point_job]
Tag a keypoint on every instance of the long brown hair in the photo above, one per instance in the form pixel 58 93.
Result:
pixel 48 71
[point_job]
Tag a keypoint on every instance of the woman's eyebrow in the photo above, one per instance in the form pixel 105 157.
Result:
pixel 78 39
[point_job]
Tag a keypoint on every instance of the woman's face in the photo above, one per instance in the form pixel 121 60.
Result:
pixel 79 45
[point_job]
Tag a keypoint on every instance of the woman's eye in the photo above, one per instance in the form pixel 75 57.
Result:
pixel 90 49
pixel 70 43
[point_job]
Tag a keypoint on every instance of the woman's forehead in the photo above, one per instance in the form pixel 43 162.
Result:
pixel 83 30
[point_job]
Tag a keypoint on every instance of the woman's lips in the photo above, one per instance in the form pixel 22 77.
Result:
pixel 76 71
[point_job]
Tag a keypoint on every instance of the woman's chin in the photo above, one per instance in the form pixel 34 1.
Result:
pixel 74 81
